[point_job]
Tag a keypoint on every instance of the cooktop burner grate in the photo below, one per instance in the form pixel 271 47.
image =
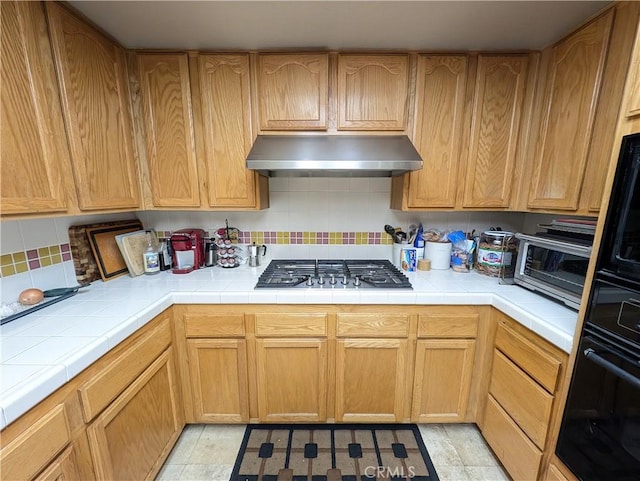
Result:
pixel 333 274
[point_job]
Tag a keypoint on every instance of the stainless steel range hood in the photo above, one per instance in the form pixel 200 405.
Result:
pixel 333 155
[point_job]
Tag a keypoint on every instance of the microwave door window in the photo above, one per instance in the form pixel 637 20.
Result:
pixel 562 270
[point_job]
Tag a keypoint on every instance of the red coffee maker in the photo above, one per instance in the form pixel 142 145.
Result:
pixel 187 246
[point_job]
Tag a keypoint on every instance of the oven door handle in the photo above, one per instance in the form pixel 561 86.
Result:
pixel 593 356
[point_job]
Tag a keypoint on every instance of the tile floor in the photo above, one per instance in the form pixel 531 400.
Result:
pixel 208 452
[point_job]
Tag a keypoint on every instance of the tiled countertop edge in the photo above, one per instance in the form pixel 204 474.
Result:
pixel 45 381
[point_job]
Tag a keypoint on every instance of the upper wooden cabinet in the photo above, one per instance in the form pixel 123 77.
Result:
pixel 440 101
pixel 633 104
pixel 225 105
pixel 96 107
pixel 165 94
pixel 293 91
pixel 568 110
pixel 373 92
pixel 495 130
pixel 33 155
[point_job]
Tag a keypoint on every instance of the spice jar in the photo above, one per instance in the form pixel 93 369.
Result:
pixel 496 253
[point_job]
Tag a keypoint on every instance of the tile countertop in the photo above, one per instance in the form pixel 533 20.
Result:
pixel 42 351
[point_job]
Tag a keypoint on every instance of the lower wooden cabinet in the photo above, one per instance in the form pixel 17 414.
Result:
pixel 447 364
pixel 118 419
pixel 38 446
pixel 219 379
pixel 292 379
pixel 522 398
pixel 444 366
pixel 132 436
pixel 555 474
pixel 63 468
pixel 371 379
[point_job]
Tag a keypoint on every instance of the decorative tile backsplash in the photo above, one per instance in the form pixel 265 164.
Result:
pixel 297 237
pixel 32 259
pixel 29 260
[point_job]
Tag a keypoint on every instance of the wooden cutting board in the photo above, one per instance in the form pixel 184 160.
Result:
pixel 106 251
pixel 132 247
pixel 84 260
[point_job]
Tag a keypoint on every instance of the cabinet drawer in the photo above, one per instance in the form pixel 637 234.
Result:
pixel 539 364
pixel 514 449
pixel 373 325
pixel 291 325
pixel 448 325
pixel 35 448
pixel 214 325
pixel 526 402
pixel 97 393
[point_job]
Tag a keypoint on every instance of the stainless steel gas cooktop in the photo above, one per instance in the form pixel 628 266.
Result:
pixel 332 274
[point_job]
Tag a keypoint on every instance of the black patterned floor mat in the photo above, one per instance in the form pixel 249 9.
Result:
pixel 333 452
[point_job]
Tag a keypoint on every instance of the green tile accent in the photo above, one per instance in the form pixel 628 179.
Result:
pixel 282 238
pixel 54 250
pixel 56 258
pixel 19 257
pixel 21 267
pixel 45 261
pixel 6 260
pixel 44 251
pixel 257 237
pixel 7 271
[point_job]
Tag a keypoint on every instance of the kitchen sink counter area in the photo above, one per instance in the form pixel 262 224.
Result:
pixel 44 350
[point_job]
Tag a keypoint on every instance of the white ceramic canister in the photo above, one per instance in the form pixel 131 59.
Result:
pixel 439 253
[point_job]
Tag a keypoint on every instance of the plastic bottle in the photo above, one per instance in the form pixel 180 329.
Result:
pixel 151 258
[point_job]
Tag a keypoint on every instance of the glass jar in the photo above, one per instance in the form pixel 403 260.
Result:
pixel 497 253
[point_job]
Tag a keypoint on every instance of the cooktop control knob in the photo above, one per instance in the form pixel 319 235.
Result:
pixel 345 280
pixel 356 281
pixel 333 280
pixel 309 281
pixel 321 280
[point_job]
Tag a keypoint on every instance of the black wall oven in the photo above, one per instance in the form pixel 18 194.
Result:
pixel 600 433
pixel 599 437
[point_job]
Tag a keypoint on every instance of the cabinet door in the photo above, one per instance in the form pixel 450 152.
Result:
pixel 168 129
pixel 442 380
pixel 372 92
pixel 33 152
pixel 63 468
pixel 570 98
pixel 495 130
pixel 293 91
pixel 134 434
pixel 440 93
pixel 371 379
pixel 633 104
pixel 226 112
pixel 292 379
pixel 95 101
pixel 219 379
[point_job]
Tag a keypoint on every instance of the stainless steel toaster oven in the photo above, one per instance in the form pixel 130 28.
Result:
pixel 553 266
